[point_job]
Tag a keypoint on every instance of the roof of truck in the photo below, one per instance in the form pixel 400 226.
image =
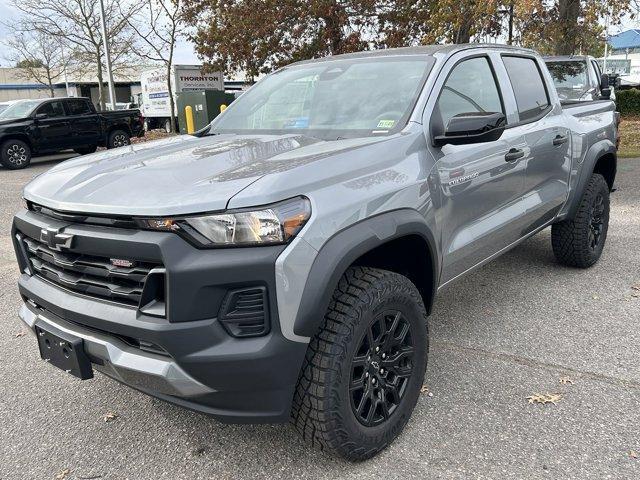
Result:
pixel 419 50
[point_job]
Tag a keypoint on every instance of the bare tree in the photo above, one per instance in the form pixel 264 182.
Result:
pixel 157 24
pixel 38 57
pixel 76 24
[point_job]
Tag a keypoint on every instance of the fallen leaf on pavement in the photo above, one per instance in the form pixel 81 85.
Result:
pixel 109 416
pixel 566 381
pixel 545 398
pixel 21 333
pixel 63 474
pixel 424 389
pixel 633 454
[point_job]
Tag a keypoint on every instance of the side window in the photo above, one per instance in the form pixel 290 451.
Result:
pixel 470 87
pixel 78 107
pixel 528 86
pixel 51 109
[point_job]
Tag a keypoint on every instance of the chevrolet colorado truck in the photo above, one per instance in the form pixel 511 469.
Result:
pixel 579 78
pixel 50 125
pixel 281 263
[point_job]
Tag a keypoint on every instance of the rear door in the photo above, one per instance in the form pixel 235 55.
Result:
pixel 84 123
pixel 541 124
pixel 480 184
pixel 52 126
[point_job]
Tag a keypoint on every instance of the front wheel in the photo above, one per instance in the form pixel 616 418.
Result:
pixel 364 369
pixel 118 138
pixel 15 154
pixel 579 242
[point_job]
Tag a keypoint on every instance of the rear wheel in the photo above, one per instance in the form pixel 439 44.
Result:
pixel 167 125
pixel 364 369
pixel 118 138
pixel 579 242
pixel 15 154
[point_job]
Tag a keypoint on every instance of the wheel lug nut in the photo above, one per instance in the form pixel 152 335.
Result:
pixel 377 349
pixel 384 355
pixel 373 381
pixel 382 370
pixel 366 374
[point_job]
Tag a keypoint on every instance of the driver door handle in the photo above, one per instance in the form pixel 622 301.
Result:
pixel 514 154
pixel 560 139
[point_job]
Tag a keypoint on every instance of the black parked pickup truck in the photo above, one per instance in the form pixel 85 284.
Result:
pixel 50 125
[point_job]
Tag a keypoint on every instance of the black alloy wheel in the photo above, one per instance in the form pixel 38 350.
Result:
pixel 381 368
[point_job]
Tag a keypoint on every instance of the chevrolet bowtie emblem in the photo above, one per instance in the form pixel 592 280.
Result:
pixel 54 239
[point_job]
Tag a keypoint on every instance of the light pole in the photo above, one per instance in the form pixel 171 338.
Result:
pixel 107 54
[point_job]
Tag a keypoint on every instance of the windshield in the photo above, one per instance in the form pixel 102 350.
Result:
pixel 20 109
pixel 570 76
pixel 331 99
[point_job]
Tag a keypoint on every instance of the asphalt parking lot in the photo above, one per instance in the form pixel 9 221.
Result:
pixel 519 326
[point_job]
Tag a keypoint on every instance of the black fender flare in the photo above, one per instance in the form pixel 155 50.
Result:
pixel 346 246
pixel 595 153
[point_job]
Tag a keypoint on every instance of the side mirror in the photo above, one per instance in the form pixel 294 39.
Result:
pixel 473 127
pixel 604 81
pixel 605 93
pixel 41 116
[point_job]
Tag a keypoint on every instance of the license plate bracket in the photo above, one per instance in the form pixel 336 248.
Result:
pixel 63 350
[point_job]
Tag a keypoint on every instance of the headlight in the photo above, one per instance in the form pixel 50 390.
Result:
pixel 272 224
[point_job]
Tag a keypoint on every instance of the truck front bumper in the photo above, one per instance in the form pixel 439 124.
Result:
pixel 195 362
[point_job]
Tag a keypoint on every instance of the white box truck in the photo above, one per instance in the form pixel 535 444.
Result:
pixel 154 99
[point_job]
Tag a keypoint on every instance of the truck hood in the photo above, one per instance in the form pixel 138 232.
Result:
pixel 180 175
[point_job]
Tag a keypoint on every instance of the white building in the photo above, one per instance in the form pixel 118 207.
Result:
pixel 625 46
pixel 15 84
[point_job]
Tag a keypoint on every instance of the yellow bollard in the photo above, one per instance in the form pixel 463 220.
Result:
pixel 223 107
pixel 188 113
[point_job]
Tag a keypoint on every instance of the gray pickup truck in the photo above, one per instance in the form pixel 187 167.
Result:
pixel 281 264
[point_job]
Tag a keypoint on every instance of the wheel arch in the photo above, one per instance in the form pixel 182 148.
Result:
pixel 399 241
pixel 17 136
pixel 601 158
pixel 120 126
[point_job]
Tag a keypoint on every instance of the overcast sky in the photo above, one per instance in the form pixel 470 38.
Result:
pixel 186 55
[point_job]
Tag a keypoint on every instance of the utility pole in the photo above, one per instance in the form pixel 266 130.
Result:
pixel 510 39
pixel 509 12
pixel 107 54
pixel 606 44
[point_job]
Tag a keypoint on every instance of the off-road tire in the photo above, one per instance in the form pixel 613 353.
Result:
pixel 85 150
pixel 322 407
pixel 15 154
pixel 118 138
pixel 572 240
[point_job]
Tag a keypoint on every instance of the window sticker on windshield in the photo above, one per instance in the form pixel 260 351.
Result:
pixel 300 122
pixel 386 123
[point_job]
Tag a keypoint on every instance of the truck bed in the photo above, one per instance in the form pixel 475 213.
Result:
pixel 579 108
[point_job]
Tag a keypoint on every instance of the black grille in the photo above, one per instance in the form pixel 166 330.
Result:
pixel 244 312
pixel 88 274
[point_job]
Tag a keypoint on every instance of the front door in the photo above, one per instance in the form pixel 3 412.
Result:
pixel 480 184
pixel 52 126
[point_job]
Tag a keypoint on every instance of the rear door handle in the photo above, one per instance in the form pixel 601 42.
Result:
pixel 514 154
pixel 560 139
